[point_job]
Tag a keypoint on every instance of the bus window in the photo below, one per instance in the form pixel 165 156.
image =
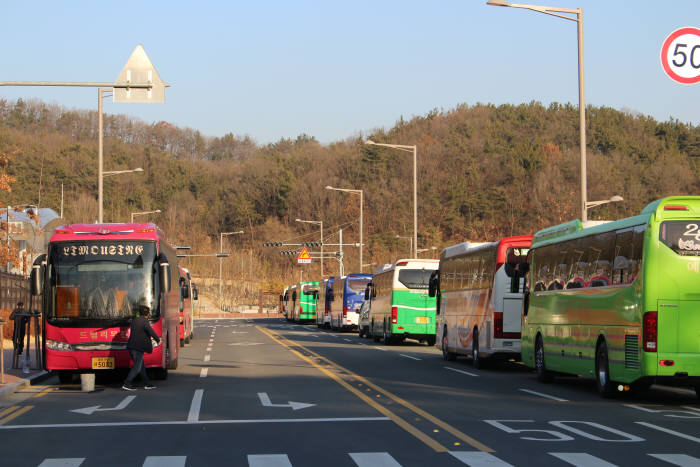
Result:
pixel 415 278
pixel 357 284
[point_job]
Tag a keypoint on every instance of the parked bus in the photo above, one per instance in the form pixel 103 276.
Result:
pixel 619 300
pixel 480 307
pixel 186 310
pixel 400 305
pixel 285 301
pixel 323 310
pixel 93 280
pixel 303 306
pixel 348 293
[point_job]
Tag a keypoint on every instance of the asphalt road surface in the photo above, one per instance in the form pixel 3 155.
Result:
pixel 266 393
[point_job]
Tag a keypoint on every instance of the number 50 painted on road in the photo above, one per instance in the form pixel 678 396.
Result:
pixel 680 55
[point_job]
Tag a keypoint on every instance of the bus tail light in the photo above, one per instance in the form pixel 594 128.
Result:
pixel 345 312
pixel 498 325
pixel 394 314
pixel 676 207
pixel 301 310
pixel 402 263
pixel 651 332
pixel 667 363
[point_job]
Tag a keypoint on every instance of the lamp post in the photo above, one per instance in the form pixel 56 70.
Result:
pixel 320 223
pixel 414 150
pixel 410 239
pixel 143 214
pixel 613 199
pixel 578 17
pixel 348 190
pixel 221 248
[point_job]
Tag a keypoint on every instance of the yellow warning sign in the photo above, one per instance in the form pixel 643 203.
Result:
pixel 304 256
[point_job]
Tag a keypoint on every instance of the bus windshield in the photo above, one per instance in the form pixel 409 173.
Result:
pixel 415 278
pixel 359 284
pixel 97 281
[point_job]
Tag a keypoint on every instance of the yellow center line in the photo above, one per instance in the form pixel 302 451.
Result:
pixel 8 410
pixel 399 421
pixel 16 414
pixel 45 392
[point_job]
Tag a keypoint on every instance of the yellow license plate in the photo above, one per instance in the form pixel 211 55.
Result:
pixel 422 320
pixel 103 363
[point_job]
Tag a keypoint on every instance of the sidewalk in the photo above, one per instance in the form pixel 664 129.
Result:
pixel 15 378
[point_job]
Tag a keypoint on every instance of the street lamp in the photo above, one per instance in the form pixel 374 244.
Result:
pixel 348 190
pixel 143 214
pixel 578 17
pixel 613 199
pixel 321 224
pixel 413 149
pixel 221 248
pixel 410 239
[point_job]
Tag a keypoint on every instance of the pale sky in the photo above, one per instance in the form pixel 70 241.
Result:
pixel 333 69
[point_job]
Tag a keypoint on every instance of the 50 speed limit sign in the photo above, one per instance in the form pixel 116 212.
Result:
pixel 680 55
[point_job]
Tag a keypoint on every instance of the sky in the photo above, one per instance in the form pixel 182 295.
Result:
pixel 337 69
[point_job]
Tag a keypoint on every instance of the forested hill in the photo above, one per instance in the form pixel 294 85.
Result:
pixel 484 171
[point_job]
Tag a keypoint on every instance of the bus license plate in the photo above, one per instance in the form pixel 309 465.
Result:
pixel 103 363
pixel 422 320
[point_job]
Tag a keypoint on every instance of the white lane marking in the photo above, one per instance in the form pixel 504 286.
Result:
pixel 581 459
pixel 96 408
pixel 543 395
pixel 197 422
pixel 165 461
pixel 678 459
pixel 460 371
pixel 408 356
pixel 196 405
pixel 379 348
pixel 373 459
pixel 209 349
pixel 670 432
pixel 269 460
pixel 63 462
pixel 347 340
pixel 204 372
pixel 207 358
pixel 266 402
pixel 479 459
pixel 211 340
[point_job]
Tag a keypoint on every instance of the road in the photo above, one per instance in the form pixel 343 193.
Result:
pixel 266 393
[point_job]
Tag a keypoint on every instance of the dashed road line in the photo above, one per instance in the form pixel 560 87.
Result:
pixel 461 371
pixel 408 356
pixel 547 396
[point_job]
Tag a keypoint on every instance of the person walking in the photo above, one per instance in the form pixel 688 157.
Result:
pixel 20 327
pixel 139 343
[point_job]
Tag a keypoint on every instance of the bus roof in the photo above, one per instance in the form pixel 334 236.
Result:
pixel 670 207
pixel 460 248
pixel 408 263
pixel 126 231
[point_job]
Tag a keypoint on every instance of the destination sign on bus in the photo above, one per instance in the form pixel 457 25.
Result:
pixel 681 236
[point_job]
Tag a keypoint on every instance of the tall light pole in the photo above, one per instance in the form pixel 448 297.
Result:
pixel 613 199
pixel 410 239
pixel 101 174
pixel 413 149
pixel 578 17
pixel 221 248
pixel 143 214
pixel 321 224
pixel 348 190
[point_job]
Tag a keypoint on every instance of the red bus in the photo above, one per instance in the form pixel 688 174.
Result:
pixel 186 310
pixel 92 280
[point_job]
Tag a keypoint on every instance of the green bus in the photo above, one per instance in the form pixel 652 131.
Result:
pixel 304 297
pixel 619 301
pixel 401 307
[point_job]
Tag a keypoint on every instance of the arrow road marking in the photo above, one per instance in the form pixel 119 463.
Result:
pixel 265 401
pixel 96 408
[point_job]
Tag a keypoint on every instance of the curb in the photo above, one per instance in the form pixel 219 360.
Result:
pixel 10 388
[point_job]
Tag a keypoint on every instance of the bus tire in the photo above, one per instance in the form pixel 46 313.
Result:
pixel 65 377
pixel 388 340
pixel 446 354
pixel 697 391
pixel 375 337
pixel 477 363
pixel 606 387
pixel 160 373
pixel 543 375
pixel 430 341
pixel 182 342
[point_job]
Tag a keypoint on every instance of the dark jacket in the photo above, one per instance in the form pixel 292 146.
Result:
pixel 140 335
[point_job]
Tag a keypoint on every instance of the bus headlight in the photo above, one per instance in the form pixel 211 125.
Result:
pixel 57 345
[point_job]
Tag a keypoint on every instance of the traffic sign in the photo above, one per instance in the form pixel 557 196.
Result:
pixel 304 256
pixel 680 55
pixel 139 70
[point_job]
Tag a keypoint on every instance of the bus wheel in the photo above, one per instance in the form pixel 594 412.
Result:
pixel 543 375
pixel 360 331
pixel 65 377
pixel 430 341
pixel 160 373
pixel 697 391
pixel 606 387
pixel 447 355
pixel 182 342
pixel 476 360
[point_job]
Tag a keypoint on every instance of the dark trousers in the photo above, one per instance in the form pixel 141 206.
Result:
pixel 138 369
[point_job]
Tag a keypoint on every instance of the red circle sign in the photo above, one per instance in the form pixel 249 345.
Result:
pixel 680 55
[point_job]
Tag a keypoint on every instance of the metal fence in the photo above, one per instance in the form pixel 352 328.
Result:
pixel 13 288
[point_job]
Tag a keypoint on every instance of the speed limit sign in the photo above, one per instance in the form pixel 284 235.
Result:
pixel 680 55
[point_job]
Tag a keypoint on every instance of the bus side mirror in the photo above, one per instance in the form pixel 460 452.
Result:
pixel 195 294
pixel 185 291
pixel 36 279
pixel 165 277
pixel 367 293
pixel 433 284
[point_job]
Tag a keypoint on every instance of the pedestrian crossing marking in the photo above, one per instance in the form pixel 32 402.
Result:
pixel 269 460
pixel 678 459
pixel 479 459
pixel 165 461
pixel 374 459
pixel 581 459
pixel 66 462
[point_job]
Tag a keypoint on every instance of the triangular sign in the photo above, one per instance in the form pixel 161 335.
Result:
pixel 139 70
pixel 304 254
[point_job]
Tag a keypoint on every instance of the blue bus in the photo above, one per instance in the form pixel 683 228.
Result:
pixel 348 293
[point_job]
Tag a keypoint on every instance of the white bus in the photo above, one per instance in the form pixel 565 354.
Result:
pixel 348 293
pixel 479 305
